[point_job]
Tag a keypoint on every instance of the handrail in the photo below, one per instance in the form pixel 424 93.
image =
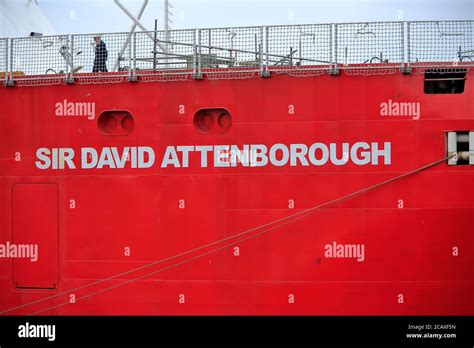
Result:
pixel 255 49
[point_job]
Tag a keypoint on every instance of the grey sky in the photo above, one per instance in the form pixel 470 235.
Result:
pixel 88 16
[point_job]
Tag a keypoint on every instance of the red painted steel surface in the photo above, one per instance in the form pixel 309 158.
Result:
pixel 35 219
pixel 160 212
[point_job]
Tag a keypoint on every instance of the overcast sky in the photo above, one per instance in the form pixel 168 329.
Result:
pixel 90 16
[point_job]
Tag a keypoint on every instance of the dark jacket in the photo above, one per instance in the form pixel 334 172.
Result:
pixel 101 56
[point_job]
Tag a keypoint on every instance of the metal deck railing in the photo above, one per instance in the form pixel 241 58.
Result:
pixel 240 52
pixel 3 59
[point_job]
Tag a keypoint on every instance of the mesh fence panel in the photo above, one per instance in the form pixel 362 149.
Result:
pixel 442 41
pixel 369 43
pixel 3 59
pixel 163 55
pixel 232 51
pixel 301 46
pixel 104 60
pixel 112 53
pixel 40 56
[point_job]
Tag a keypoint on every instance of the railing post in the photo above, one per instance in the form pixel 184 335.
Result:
pixel 198 74
pixel 266 46
pixel 6 61
pixel 71 73
pixel 408 43
pixel 133 76
pixel 130 59
pixel 331 50
pixel 407 54
pixel 265 72
pixel 70 56
pixel 331 60
pixel 194 53
pixel 10 81
pixel 261 63
pixel 335 45
pixel 334 70
pixel 67 59
pixel 403 68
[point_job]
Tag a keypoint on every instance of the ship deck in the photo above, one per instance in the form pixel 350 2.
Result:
pixel 241 52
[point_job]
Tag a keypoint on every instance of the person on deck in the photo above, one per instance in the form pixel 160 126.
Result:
pixel 101 55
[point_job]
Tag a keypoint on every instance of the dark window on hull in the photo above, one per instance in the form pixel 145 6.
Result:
pixel 460 145
pixel 451 82
pixel 463 147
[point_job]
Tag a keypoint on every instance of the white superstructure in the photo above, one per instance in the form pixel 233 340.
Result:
pixel 21 17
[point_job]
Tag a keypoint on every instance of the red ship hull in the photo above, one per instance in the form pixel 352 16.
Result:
pixel 93 224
